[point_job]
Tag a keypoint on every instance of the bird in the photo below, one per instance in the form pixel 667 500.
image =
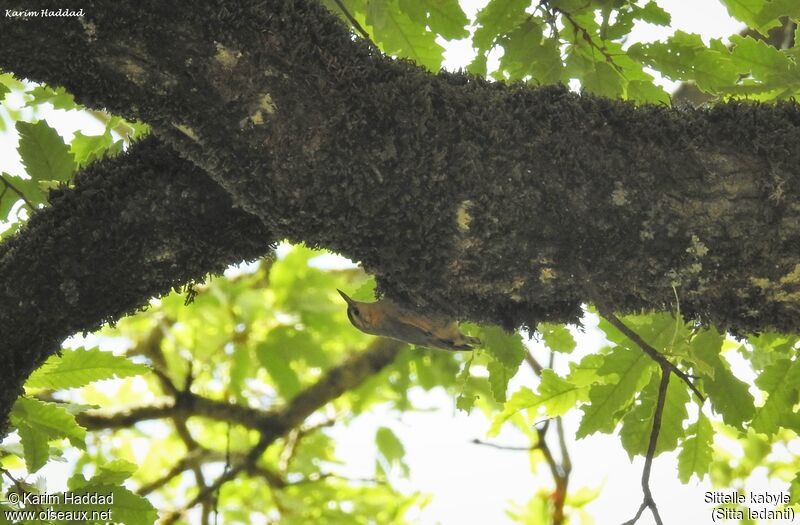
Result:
pixel 388 319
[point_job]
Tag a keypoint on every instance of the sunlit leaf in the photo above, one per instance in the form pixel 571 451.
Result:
pixel 43 152
pixel 81 366
pixel 695 455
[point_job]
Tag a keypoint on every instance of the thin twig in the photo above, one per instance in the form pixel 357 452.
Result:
pixel 584 33
pixel 648 501
pixel 226 476
pixel 605 311
pixel 294 438
pixel 566 462
pixel 512 448
pixel 562 481
pixel 17 483
pixel 650 351
pixel 18 192
pixel 533 363
pixel 353 21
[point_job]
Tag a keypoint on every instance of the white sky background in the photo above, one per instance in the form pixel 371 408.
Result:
pixel 473 484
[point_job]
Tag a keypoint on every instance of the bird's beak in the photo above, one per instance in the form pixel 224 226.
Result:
pixel 344 296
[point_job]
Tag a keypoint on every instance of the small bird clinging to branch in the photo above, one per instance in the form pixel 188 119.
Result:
pixel 387 319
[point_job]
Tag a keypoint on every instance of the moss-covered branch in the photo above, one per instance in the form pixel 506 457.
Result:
pixel 483 201
pixel 134 227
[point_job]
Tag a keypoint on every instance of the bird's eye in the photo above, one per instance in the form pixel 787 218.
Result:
pixel 356 312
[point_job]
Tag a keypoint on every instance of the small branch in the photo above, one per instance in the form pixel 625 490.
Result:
pixel 566 462
pixel 533 363
pixel 294 439
pixel 19 193
pixel 606 312
pixel 273 424
pixel 354 22
pixel 548 455
pixel 648 501
pixel 17 483
pixel 584 33
pixel 529 448
pixel 650 351
pixel 562 481
pixel 175 471
pixel 205 492
pixel 125 419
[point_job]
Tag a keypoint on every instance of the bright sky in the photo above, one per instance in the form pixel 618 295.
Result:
pixel 473 484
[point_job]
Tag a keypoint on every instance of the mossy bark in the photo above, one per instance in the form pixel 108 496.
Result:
pixel 483 201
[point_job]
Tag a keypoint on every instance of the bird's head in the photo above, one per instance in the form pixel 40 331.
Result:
pixel 359 313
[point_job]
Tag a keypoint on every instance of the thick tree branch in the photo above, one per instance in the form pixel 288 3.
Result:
pixel 329 143
pixel 337 380
pixel 134 227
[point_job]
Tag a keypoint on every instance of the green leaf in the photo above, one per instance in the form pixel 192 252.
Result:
pixel 27 187
pixel 43 152
pixel 645 92
pixel 498 17
pixel 88 148
pixel 81 366
pixel 520 400
pixel 478 65
pixel 795 488
pixel 762 15
pixel 729 396
pixel 586 371
pixel 465 399
pixel 113 472
pixel 242 367
pixel 695 455
pixel 58 97
pixel 365 292
pixel 557 337
pixel 35 446
pixel 599 78
pixel 637 424
pixel 8 80
pixel 499 376
pixel 507 352
pixel 272 355
pixel 390 450
pixel 684 56
pixel 766 348
pixel 780 381
pixel 652 13
pixel 127 507
pixel 633 370
pixel 555 397
pixel 762 60
pixel 503 347
pixel 444 17
pixel 398 35
pixel 528 54
pixel 276 365
pixel 48 418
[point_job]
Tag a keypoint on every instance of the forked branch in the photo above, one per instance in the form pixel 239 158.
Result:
pixel 648 501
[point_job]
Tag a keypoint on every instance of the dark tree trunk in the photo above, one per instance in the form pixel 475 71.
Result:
pixel 483 201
